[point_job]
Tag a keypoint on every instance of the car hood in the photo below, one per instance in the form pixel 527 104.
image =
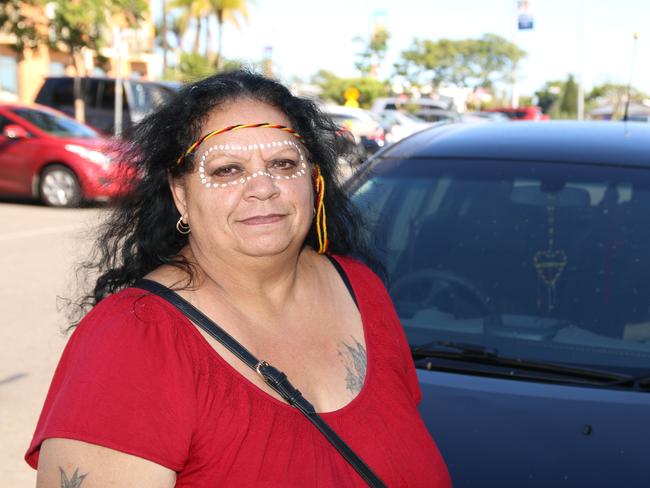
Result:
pixel 97 143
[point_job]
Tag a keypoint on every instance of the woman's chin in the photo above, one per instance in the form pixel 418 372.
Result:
pixel 265 247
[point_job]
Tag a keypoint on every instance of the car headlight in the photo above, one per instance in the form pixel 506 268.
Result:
pixel 91 155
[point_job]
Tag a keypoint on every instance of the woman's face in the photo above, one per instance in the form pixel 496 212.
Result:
pixel 251 189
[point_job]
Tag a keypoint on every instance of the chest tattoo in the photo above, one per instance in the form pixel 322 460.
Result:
pixel 355 362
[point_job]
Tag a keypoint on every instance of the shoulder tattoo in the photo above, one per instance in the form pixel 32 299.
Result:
pixel 355 362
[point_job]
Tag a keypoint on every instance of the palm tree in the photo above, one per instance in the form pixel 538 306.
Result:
pixel 233 11
pixel 192 10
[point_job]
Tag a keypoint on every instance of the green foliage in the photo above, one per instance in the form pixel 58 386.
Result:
pixel 466 62
pixel 569 103
pixel 14 22
pixel 194 67
pixel 615 95
pixel 549 97
pixel 333 87
pixel 373 54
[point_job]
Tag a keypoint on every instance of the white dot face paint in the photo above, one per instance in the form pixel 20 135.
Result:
pixel 227 165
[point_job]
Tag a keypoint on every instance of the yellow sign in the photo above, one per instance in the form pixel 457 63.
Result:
pixel 351 95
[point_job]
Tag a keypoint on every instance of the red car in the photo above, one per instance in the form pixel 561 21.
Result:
pixel 521 113
pixel 47 155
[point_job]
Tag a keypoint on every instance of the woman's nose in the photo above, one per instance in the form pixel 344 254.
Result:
pixel 261 184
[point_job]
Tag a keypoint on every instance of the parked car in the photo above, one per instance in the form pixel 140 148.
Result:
pixel 47 155
pixel 638 117
pixel 518 260
pixel 398 124
pixel 139 98
pixel 520 113
pixel 365 127
pixel 412 104
pixel 481 116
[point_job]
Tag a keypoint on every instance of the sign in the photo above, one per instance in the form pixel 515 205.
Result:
pixel 524 16
pixel 351 95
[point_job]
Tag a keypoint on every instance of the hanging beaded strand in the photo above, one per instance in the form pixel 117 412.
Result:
pixel 321 217
pixel 550 263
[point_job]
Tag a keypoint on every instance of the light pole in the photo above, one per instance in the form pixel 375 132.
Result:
pixel 629 83
pixel 581 75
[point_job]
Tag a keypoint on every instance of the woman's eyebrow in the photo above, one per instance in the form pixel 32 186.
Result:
pixel 241 154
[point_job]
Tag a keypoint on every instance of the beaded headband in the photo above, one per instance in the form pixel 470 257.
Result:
pixel 235 127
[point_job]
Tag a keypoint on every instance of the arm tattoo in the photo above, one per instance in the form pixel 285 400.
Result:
pixel 74 482
pixel 354 359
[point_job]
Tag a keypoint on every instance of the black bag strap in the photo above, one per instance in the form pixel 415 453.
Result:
pixel 273 377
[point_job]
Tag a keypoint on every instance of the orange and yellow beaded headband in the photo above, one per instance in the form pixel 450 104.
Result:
pixel 235 127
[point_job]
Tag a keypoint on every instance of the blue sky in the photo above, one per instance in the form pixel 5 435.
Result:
pixel 307 35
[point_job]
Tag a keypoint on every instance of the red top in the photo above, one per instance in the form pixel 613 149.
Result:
pixel 136 376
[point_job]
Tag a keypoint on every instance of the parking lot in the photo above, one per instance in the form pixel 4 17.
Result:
pixel 39 247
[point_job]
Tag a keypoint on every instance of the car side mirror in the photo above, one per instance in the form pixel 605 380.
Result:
pixel 13 131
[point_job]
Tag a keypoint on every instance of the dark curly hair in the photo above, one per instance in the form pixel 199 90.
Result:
pixel 140 233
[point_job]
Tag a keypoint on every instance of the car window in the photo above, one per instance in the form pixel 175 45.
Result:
pixel 91 88
pixel 145 97
pixel 106 96
pixel 62 93
pixel 541 261
pixel 54 124
pixel 4 122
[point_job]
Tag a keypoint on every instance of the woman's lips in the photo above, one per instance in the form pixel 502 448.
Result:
pixel 263 219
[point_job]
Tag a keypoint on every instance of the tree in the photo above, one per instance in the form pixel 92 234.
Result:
pixel 466 62
pixel 374 53
pixel 18 19
pixel 78 26
pixel 613 94
pixel 192 11
pixel 232 11
pixel 333 87
pixel 549 97
pixel 569 103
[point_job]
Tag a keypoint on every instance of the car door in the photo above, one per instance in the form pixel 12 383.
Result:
pixel 16 157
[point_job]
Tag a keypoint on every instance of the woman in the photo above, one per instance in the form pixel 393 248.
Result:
pixel 239 212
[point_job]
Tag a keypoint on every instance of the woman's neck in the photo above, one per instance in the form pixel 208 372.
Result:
pixel 245 280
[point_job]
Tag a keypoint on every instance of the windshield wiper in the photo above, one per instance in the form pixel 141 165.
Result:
pixel 470 350
pixel 515 367
pixel 642 381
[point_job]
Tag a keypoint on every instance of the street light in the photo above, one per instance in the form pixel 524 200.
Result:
pixel 629 83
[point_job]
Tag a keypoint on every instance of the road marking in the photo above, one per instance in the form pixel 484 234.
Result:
pixel 39 232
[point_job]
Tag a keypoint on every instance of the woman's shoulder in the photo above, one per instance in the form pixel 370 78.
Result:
pixel 359 273
pixel 132 315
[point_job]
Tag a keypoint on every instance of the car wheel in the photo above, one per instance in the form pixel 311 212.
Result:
pixel 59 187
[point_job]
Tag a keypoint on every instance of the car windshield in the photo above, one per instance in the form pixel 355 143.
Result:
pixel 542 261
pixel 54 124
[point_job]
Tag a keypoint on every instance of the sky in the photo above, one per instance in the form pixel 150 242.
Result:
pixel 592 39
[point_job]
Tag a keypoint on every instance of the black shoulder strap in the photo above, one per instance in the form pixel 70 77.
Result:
pixel 273 377
pixel 344 277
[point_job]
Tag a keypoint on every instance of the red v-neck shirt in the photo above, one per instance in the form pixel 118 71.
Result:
pixel 136 376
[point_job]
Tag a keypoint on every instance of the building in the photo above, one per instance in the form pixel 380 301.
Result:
pixel 21 74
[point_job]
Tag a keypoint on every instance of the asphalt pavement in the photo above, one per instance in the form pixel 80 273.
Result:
pixel 39 247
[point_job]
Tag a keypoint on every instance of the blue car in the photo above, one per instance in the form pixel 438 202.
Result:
pixel 518 259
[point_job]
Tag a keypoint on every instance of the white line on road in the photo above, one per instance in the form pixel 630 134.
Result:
pixel 38 232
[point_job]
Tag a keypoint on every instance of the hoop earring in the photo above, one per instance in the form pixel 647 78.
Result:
pixel 182 227
pixel 321 217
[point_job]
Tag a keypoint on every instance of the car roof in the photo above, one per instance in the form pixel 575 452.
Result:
pixel 617 143
pixel 35 106
pixel 101 77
